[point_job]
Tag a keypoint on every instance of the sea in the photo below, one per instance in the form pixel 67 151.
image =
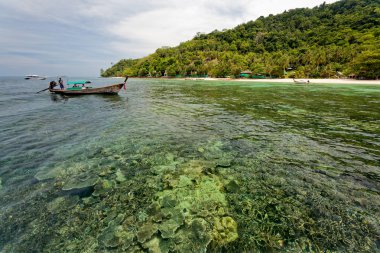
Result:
pixel 190 166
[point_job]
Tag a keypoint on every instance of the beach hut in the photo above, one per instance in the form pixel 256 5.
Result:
pixel 246 74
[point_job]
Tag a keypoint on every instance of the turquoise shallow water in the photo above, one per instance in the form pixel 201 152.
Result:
pixel 177 166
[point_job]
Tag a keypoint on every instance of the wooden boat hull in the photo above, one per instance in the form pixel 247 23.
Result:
pixel 107 90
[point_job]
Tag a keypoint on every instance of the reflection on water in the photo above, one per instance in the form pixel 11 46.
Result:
pixel 193 166
pixel 114 99
pixel 58 98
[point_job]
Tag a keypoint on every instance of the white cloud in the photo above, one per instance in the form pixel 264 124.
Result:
pixel 167 26
pixel 114 29
pixel 178 21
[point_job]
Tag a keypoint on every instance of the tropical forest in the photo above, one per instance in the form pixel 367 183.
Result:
pixel 328 41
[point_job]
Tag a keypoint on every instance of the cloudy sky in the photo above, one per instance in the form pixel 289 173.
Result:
pixel 79 37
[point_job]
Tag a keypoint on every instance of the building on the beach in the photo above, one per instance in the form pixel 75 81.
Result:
pixel 246 74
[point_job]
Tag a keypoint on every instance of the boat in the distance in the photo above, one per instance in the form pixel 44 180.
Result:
pixel 36 77
pixel 301 81
pixel 80 88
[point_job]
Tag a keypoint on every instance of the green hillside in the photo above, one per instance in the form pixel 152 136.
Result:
pixel 330 40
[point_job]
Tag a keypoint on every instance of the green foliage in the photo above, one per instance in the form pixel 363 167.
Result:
pixel 312 42
pixel 367 64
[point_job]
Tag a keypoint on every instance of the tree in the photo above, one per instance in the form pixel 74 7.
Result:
pixel 367 64
pixel 310 41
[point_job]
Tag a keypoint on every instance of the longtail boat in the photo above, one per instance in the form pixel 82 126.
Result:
pixel 301 81
pixel 76 89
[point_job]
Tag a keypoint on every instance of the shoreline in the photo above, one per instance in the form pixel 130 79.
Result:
pixel 288 80
pixel 269 80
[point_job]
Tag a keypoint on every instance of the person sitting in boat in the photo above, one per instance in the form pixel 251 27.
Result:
pixel 52 84
pixel 60 81
pixel 83 87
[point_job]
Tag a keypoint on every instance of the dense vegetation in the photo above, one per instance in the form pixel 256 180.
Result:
pixel 331 40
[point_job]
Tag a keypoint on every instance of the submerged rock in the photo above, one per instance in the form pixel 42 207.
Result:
pixel 232 186
pixel 102 187
pixel 81 182
pixel 146 232
pixel 62 203
pixel 126 238
pixel 153 245
pixel 114 235
pixel 193 238
pixel 45 174
pixel 56 203
pixel 197 194
pixel 108 237
pixel 168 228
pixel 224 231
pixel 120 176
pixel 64 170
pixel 191 198
pixel 142 216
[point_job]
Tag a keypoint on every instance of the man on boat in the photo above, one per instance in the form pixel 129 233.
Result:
pixel 52 85
pixel 60 81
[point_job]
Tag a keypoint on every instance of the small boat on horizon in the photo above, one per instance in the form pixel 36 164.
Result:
pixel 28 77
pixel 79 88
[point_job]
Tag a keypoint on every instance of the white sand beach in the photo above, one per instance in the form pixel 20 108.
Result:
pixel 311 81
pixel 288 80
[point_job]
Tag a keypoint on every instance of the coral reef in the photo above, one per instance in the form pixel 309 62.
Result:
pixel 224 231
pixel 217 201
pixel 210 174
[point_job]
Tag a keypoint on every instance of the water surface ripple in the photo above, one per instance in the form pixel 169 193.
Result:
pixel 190 166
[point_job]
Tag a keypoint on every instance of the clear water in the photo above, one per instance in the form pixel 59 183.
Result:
pixel 190 166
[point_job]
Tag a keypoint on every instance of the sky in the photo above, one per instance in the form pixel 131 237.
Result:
pixel 79 37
